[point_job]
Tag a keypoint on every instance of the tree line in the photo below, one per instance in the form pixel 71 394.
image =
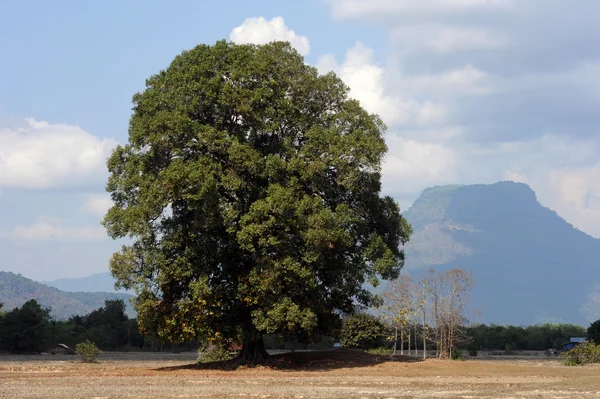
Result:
pixel 368 331
pixel 31 329
pixel 509 338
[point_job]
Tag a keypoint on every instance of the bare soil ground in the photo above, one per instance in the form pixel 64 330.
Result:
pixel 338 374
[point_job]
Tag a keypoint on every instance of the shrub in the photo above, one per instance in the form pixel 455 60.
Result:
pixel 361 330
pixel 380 351
pixel 584 353
pixel 88 351
pixel 214 351
pixel 473 352
pixel 457 354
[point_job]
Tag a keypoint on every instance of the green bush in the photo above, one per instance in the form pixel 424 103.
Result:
pixel 457 354
pixel 380 351
pixel 216 350
pixel 362 330
pixel 582 354
pixel 88 351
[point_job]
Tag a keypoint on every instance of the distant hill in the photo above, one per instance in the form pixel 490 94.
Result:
pixel 529 264
pixel 101 282
pixel 15 290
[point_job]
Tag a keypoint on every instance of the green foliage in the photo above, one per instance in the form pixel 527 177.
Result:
pixel 457 354
pixel 593 332
pixel 214 351
pixel 88 351
pixel 536 337
pixel 26 329
pixel 582 354
pixel 362 330
pixel 380 351
pixel 250 189
pixel 108 327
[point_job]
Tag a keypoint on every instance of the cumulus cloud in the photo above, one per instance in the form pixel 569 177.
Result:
pixel 97 204
pixel 42 155
pixel 260 31
pixel 512 97
pixel 367 84
pixel 575 194
pixel 51 229
pixel 411 164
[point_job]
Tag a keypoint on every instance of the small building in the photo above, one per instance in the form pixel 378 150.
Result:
pixel 573 342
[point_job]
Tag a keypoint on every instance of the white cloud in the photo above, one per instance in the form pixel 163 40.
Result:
pixel 367 84
pixel 260 31
pixel 411 165
pixel 50 229
pixel 445 39
pixel 97 204
pixel 564 172
pixel 43 155
pixel 575 194
pixel 505 93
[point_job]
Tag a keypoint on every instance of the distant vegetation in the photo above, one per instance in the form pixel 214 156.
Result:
pixel 509 338
pixel 30 329
pixel 15 290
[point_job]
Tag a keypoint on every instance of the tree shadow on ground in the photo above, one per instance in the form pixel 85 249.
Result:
pixel 305 361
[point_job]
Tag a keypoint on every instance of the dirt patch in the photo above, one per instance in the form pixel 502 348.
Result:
pixel 345 374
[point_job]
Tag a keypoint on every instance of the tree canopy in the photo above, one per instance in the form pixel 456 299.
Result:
pixel 25 329
pixel 250 190
pixel 593 332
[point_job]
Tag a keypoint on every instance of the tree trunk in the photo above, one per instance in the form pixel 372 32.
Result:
pixel 402 341
pixel 395 340
pixel 253 352
pixel 424 336
pixel 409 334
pixel 416 342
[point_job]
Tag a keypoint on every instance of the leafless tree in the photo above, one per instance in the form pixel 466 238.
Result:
pixel 438 301
pixel 398 307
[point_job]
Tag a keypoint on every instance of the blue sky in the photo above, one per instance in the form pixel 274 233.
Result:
pixel 473 91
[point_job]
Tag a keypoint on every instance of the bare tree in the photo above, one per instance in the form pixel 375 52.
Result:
pixel 439 301
pixel 448 297
pixel 398 307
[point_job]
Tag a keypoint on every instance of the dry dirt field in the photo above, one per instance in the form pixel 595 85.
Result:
pixel 349 375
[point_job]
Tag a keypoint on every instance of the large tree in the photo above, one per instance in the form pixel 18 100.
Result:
pixel 26 329
pixel 250 191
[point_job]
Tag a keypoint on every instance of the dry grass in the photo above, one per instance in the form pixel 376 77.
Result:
pixel 341 374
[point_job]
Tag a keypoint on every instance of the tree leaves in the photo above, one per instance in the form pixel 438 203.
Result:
pixel 250 187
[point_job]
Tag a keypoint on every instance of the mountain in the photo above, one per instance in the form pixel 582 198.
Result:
pixel 101 282
pixel 15 290
pixel 529 264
